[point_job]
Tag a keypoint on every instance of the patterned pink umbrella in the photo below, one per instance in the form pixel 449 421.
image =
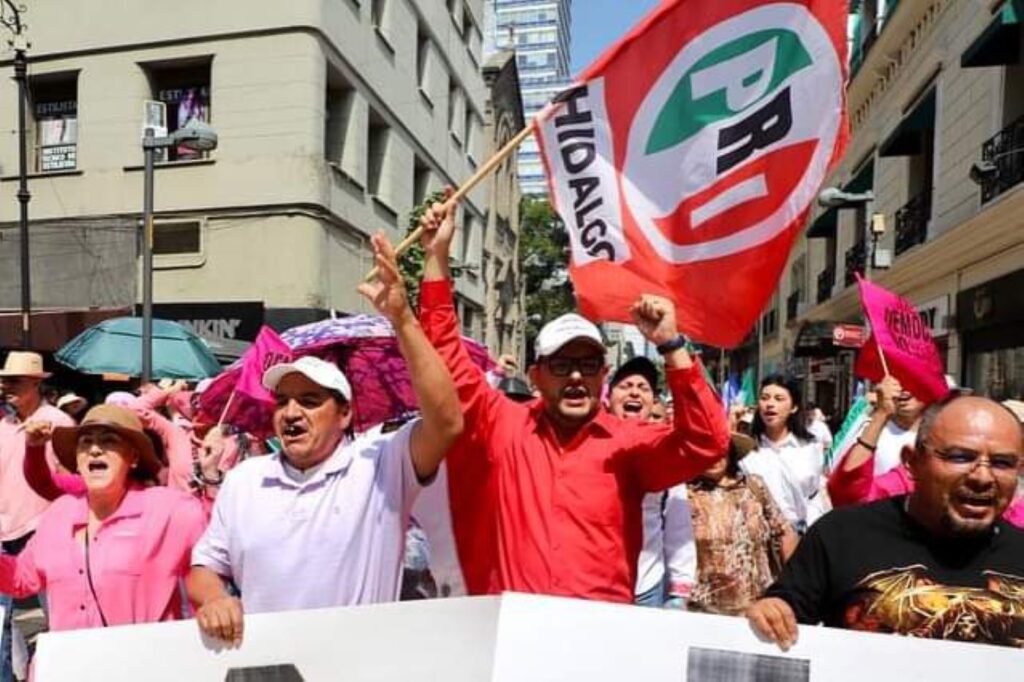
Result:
pixel 365 348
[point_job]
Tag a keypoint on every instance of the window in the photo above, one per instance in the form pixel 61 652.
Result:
pixel 469 130
pixel 422 59
pixel 342 136
pixel 173 239
pixel 377 155
pixel 184 90
pixel 420 181
pixel 455 111
pixel 377 8
pixel 53 113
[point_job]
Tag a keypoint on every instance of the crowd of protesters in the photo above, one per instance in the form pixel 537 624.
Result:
pixel 582 483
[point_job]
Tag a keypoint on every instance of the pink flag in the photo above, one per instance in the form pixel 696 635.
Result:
pixel 236 396
pixel 899 333
pixel 267 350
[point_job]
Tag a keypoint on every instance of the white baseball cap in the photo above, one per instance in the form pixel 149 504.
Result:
pixel 564 329
pixel 319 371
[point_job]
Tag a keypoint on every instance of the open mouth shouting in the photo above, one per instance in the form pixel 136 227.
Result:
pixel 632 408
pixel 973 505
pixel 293 432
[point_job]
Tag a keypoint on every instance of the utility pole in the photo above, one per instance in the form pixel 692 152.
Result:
pixel 10 16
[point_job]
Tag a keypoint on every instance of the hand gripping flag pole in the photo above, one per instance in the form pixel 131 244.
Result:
pixel 465 189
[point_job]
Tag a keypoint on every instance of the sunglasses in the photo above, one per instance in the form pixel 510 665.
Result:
pixel 968 460
pixel 563 367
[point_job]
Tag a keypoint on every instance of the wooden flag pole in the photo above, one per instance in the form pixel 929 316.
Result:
pixel 465 189
pixel 227 406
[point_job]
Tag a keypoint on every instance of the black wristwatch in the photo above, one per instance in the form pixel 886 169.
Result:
pixel 673 345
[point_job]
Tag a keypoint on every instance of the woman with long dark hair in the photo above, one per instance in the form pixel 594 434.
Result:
pixel 787 457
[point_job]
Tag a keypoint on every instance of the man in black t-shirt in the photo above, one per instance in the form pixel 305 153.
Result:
pixel 939 562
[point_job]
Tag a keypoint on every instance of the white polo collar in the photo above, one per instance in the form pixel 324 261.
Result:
pixel 288 475
pixel 790 441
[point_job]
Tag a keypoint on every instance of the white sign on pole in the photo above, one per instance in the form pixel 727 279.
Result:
pixel 154 115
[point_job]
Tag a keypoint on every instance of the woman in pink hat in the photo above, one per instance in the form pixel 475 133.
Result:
pixel 114 554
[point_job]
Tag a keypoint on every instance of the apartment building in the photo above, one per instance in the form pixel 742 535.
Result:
pixel 504 304
pixel 936 106
pixel 540 33
pixel 334 120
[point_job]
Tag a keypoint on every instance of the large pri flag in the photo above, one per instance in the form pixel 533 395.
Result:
pixel 898 332
pixel 684 161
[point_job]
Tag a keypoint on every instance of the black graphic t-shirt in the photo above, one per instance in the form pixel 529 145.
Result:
pixel 875 568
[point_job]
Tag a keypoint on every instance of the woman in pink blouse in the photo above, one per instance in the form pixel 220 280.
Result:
pixel 114 554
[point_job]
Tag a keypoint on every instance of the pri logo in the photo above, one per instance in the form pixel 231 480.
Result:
pixel 735 136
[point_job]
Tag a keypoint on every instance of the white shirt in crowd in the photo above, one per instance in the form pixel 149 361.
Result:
pixel 891 442
pixel 793 472
pixel 651 563
pixel 819 429
pixel 680 546
pixel 333 536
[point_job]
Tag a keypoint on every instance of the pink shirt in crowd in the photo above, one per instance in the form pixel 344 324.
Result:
pixel 137 557
pixel 20 506
pixel 860 486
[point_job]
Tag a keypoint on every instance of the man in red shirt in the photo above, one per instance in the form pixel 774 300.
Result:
pixel 555 485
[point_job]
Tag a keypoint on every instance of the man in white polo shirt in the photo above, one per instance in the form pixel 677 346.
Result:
pixel 323 523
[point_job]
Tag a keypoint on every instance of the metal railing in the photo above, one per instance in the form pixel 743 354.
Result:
pixel 826 280
pixel 856 257
pixel 1004 151
pixel 912 222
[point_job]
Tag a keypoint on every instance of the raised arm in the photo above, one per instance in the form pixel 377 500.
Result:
pixel 480 402
pixel 40 476
pixel 441 422
pixel 864 449
pixel 699 435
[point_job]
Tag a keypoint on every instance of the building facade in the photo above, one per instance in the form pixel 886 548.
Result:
pixel 936 106
pixel 540 32
pixel 334 120
pixel 504 304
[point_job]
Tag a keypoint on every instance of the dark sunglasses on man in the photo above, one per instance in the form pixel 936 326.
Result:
pixel 586 366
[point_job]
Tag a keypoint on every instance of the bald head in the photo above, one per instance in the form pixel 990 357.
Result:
pixel 964 465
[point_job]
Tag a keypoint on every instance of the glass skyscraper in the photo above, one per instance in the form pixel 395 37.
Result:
pixel 539 32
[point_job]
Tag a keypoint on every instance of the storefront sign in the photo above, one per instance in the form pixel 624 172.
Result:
pixel 849 335
pixel 935 314
pixel 238 321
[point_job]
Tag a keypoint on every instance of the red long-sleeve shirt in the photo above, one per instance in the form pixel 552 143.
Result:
pixel 565 520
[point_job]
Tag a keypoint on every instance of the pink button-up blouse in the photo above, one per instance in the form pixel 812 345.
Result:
pixel 136 559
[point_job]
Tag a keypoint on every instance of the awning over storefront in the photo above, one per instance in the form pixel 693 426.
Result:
pixel 1000 42
pixel 908 139
pixel 51 329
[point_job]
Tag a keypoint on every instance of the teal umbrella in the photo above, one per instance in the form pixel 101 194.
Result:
pixel 115 346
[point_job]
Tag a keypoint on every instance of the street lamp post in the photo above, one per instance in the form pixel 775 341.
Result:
pixel 196 136
pixel 833 197
pixel 10 16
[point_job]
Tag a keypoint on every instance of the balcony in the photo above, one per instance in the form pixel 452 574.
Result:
pixel 856 256
pixel 1003 156
pixel 912 222
pixel 793 305
pixel 826 280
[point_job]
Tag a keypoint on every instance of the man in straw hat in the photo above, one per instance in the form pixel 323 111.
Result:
pixel 20 508
pixel 323 523
pixel 114 554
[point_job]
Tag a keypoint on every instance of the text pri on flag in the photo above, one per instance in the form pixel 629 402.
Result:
pixel 685 160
